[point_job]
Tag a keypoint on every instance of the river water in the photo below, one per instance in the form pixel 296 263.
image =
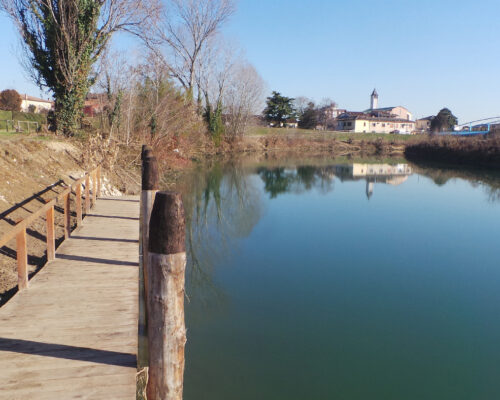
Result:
pixel 342 281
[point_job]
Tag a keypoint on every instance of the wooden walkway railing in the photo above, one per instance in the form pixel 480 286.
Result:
pixel 19 231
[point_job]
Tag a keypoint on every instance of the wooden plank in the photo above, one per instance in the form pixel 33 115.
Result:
pixel 25 223
pixel 74 333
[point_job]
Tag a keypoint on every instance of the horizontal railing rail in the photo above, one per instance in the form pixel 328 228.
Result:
pixel 19 230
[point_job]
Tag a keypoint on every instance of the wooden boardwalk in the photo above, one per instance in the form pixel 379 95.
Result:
pixel 73 333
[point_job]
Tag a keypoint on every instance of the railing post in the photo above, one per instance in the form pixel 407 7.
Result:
pixel 166 326
pixel 94 188
pixel 67 215
pixel 99 181
pixel 22 260
pixel 87 194
pixel 78 203
pixel 51 243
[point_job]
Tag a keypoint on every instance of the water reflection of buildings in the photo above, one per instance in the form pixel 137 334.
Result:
pixel 374 173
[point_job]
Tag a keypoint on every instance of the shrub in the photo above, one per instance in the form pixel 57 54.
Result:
pixel 10 100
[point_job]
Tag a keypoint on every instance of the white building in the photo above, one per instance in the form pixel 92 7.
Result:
pixel 38 105
pixel 377 120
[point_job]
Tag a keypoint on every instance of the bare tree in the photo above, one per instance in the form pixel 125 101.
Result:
pixel 64 38
pixel 325 112
pixel 214 70
pixel 243 98
pixel 184 31
pixel 114 75
pixel 301 103
pixel 160 111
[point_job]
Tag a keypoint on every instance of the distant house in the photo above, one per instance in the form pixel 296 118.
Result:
pixel 399 111
pixel 377 120
pixel 424 124
pixel 331 112
pixel 95 103
pixel 35 104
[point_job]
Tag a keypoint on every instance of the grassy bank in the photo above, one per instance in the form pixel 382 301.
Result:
pixel 266 131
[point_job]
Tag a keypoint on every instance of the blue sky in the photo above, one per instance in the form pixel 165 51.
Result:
pixel 424 54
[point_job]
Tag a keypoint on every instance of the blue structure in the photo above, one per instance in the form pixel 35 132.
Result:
pixel 474 130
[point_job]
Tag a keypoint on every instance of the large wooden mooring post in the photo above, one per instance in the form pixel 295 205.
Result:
pixel 150 185
pixel 166 326
pixel 149 175
pixel 145 150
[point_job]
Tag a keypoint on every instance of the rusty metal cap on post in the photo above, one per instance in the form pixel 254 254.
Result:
pixel 167 227
pixel 150 179
pixel 145 148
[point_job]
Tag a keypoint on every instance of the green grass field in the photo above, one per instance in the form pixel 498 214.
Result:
pixel 263 131
pixel 14 135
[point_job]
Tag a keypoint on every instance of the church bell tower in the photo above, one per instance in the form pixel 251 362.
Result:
pixel 374 100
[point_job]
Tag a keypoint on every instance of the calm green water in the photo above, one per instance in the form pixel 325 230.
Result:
pixel 324 282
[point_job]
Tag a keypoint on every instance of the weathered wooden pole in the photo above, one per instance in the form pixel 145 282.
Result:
pixel 67 215
pixel 87 194
pixel 166 326
pixel 149 174
pixel 145 148
pixel 94 188
pixel 78 203
pixel 99 181
pixel 51 243
pixel 150 185
pixel 22 260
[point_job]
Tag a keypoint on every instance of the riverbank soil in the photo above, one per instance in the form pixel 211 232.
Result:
pixel 35 170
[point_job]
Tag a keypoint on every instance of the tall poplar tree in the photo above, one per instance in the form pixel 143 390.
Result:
pixel 64 38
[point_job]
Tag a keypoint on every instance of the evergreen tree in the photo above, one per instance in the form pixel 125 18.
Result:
pixel 213 117
pixel 279 109
pixel 309 118
pixel 444 121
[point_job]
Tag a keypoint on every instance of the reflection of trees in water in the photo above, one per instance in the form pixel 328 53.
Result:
pixel 221 206
pixel 487 179
pixel 281 180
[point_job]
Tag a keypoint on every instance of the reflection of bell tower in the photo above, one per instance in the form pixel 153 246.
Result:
pixel 369 189
pixel 374 100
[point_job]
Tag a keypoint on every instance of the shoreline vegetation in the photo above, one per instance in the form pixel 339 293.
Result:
pixel 481 152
